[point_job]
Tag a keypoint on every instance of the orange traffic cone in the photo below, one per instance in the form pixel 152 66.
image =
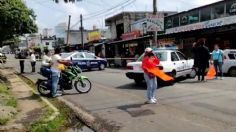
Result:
pixel 211 73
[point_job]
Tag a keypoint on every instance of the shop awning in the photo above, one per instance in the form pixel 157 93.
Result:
pixel 131 40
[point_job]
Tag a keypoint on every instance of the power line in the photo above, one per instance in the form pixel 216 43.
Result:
pixel 99 13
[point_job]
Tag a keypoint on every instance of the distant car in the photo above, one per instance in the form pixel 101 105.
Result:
pixel 3 58
pixel 85 60
pixel 172 62
pixel 229 66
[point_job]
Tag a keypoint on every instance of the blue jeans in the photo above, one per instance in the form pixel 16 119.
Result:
pixel 151 86
pixel 55 80
pixel 218 67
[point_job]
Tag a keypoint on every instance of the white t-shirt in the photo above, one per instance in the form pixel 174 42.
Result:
pixel 46 60
pixel 55 59
pixel 32 58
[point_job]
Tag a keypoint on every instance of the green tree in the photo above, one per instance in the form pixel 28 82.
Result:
pixel 15 19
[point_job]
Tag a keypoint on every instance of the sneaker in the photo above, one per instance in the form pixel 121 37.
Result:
pixel 57 95
pixel 154 99
pixel 150 102
pixel 221 78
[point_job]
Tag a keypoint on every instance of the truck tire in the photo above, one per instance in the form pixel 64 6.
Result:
pixel 138 81
pixel 232 72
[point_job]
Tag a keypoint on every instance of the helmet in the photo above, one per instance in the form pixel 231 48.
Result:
pixel 148 49
pixel 61 67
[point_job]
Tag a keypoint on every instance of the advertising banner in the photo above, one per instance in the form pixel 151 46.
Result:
pixel 94 36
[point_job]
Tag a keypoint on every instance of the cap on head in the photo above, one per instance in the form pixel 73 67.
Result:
pixel 148 50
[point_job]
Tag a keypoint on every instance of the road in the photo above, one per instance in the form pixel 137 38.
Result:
pixel 187 106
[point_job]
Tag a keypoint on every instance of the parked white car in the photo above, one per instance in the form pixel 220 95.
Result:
pixel 229 66
pixel 172 62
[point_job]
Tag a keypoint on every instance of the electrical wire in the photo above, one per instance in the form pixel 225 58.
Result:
pixel 101 12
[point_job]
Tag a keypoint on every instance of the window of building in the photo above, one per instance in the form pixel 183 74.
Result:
pixel 47 43
pixel 205 14
pixel 193 17
pixel 231 8
pixel 168 23
pixel 183 19
pixel 218 11
pixel 176 21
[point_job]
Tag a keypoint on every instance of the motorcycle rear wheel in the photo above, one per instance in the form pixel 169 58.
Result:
pixel 43 90
pixel 83 86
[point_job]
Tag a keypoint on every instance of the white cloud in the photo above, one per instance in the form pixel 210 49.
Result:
pixel 73 10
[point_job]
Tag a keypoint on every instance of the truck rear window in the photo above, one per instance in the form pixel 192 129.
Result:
pixel 232 56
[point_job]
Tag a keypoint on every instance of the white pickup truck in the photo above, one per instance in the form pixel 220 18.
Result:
pixel 229 66
pixel 172 62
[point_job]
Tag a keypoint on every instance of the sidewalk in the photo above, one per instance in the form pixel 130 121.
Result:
pixel 29 107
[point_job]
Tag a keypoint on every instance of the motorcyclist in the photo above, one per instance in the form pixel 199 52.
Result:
pixel 56 61
pixel 46 64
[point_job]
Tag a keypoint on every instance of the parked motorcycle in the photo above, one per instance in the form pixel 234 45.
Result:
pixel 70 78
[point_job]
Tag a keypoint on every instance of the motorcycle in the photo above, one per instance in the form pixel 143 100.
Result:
pixel 68 80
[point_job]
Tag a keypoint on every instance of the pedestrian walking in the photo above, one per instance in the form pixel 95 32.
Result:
pixel 150 60
pixel 194 52
pixel 33 61
pixel 218 61
pixel 22 56
pixel 202 59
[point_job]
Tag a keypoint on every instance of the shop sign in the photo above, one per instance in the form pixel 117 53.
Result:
pixel 94 36
pixel 130 35
pixel 148 24
pixel 203 25
pixel 233 9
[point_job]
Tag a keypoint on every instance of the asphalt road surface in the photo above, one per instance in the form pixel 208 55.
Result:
pixel 187 106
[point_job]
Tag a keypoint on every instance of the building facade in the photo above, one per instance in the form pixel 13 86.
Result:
pixel 128 36
pixel 215 22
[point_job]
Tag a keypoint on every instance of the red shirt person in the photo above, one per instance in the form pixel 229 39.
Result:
pixel 150 61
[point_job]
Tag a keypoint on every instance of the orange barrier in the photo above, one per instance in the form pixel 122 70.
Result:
pixel 211 73
pixel 157 72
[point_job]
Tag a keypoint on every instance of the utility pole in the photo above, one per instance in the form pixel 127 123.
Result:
pixel 154 7
pixel 82 30
pixel 154 14
pixel 68 31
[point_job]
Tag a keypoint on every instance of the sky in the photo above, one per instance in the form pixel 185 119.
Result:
pixel 49 13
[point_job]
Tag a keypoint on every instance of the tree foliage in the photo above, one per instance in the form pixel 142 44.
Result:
pixel 15 19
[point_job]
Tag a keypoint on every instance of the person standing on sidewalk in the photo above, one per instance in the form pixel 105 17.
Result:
pixel 33 61
pixel 202 59
pixel 22 56
pixel 218 60
pixel 149 61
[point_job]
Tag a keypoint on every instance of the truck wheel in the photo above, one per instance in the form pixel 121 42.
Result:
pixel 193 73
pixel 232 72
pixel 138 81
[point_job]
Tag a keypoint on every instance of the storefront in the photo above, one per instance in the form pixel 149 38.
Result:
pixel 216 23
pixel 131 46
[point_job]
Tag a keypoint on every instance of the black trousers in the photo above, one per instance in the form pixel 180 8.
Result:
pixel 22 66
pixel 33 63
pixel 201 73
